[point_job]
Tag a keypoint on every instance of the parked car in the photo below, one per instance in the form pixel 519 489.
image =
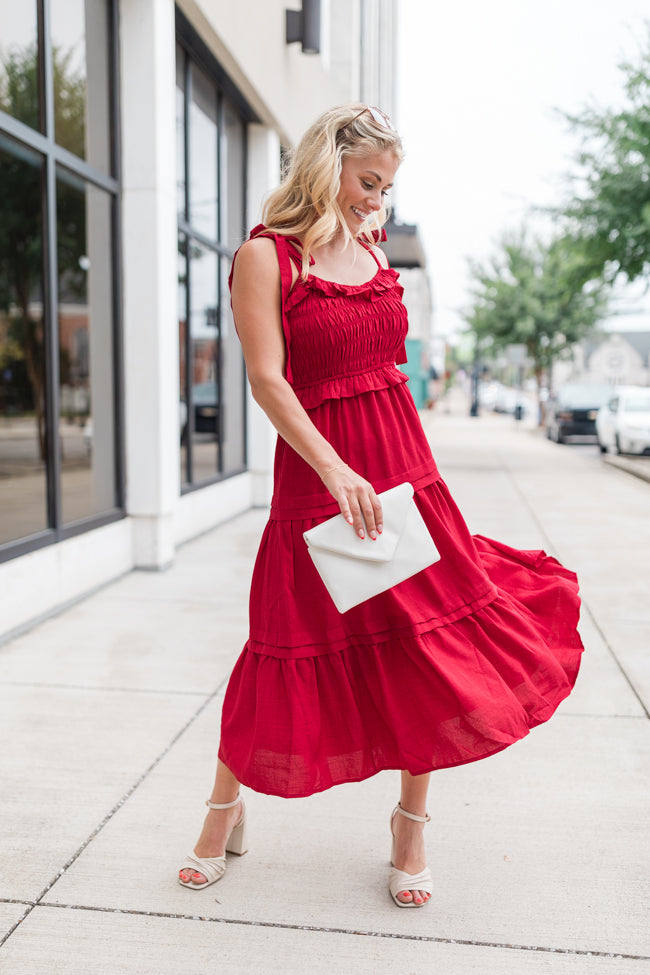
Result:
pixel 623 422
pixel 572 411
pixel 206 410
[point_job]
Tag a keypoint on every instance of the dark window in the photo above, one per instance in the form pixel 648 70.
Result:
pixel 211 161
pixel 60 462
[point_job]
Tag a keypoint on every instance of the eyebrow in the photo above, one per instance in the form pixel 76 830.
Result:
pixel 376 175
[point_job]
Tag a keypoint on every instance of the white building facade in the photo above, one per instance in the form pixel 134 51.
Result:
pixel 131 172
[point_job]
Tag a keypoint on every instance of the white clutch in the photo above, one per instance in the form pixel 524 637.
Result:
pixel 354 569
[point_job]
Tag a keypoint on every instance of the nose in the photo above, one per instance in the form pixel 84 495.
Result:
pixel 374 200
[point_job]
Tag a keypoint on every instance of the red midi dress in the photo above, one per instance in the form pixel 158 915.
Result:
pixel 450 666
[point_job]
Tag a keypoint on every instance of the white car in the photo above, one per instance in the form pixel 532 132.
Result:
pixel 623 423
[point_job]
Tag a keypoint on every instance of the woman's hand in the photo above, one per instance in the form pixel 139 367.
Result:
pixel 357 499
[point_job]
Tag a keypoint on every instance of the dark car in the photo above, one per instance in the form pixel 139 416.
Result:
pixel 206 410
pixel 573 410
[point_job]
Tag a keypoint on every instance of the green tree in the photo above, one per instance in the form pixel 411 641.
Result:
pixel 533 294
pixel 608 216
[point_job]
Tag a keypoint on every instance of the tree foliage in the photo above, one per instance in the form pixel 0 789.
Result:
pixel 609 215
pixel 532 294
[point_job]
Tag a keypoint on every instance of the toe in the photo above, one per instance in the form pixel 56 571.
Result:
pixel 405 896
pixel 198 878
pixel 185 875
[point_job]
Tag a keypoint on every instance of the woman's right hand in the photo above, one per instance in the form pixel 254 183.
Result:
pixel 357 500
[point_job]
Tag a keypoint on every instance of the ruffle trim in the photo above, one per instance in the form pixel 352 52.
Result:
pixel 309 506
pixel 385 279
pixel 340 387
pixel 344 641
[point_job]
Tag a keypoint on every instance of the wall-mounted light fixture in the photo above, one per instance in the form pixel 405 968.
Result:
pixel 304 25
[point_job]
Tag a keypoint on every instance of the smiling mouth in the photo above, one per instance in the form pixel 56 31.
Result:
pixel 359 213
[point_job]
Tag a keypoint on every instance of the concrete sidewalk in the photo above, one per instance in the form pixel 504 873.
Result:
pixel 110 718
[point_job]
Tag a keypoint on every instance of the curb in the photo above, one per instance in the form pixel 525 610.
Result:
pixel 638 467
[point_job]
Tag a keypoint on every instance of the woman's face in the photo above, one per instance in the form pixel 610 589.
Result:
pixel 365 180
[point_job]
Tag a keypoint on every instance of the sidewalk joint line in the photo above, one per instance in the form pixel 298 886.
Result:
pixel 357 932
pixel 587 607
pixel 618 663
pixel 98 688
pixel 118 805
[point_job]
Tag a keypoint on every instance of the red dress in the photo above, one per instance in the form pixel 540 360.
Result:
pixel 448 667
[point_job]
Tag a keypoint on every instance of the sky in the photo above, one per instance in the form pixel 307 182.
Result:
pixel 479 89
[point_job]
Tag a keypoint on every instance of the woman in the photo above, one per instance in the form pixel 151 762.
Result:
pixel 450 666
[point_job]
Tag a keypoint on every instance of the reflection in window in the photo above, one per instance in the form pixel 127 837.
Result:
pixel 180 129
pixel 183 345
pixel 211 154
pixel 235 163
pixel 233 378
pixel 81 89
pixel 203 155
pixel 86 425
pixel 19 77
pixel 204 352
pixel 23 439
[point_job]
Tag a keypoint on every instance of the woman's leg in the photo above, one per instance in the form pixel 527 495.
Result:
pixel 218 823
pixel 409 839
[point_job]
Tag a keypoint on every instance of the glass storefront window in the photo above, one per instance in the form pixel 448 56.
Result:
pixel 233 381
pixel 204 363
pixel 60 462
pixel 211 148
pixel 204 172
pixel 235 143
pixel 81 78
pixel 19 63
pixel 86 393
pixel 23 432
pixel 180 129
pixel 183 342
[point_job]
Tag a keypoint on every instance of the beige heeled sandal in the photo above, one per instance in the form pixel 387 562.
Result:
pixel 213 868
pixel 399 879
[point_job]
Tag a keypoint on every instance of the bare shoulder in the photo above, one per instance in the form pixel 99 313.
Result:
pixel 379 254
pixel 257 257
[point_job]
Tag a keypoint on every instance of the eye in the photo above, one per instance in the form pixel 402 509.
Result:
pixel 366 185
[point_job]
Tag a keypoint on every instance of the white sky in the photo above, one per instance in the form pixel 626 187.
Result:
pixel 478 85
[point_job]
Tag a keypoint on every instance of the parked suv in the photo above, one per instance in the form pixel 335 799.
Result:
pixel 623 422
pixel 573 410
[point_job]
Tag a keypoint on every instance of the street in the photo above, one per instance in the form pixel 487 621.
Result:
pixel 110 712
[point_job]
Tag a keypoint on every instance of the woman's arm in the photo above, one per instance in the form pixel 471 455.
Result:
pixel 256 302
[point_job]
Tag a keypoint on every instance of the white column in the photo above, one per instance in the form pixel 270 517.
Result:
pixel 149 264
pixel 263 175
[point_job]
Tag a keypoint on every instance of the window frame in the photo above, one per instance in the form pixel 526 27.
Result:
pixel 54 156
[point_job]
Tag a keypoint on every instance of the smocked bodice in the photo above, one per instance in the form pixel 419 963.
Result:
pixel 345 339
pixel 341 340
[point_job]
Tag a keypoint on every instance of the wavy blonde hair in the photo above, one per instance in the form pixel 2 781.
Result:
pixel 305 205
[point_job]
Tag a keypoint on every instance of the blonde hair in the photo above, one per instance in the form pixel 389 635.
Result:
pixel 305 205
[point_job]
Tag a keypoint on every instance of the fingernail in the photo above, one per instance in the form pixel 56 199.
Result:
pixel 373 535
pixel 361 534
pixel 349 521
pixel 380 528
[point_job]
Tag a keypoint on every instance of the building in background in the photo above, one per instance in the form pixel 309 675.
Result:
pixel 405 253
pixel 613 358
pixel 137 141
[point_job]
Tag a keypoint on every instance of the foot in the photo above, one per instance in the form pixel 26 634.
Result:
pixel 217 827
pixel 409 854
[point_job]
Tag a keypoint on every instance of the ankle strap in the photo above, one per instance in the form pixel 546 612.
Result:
pixel 222 805
pixel 418 819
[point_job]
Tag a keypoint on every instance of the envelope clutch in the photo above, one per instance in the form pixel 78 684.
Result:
pixel 354 569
